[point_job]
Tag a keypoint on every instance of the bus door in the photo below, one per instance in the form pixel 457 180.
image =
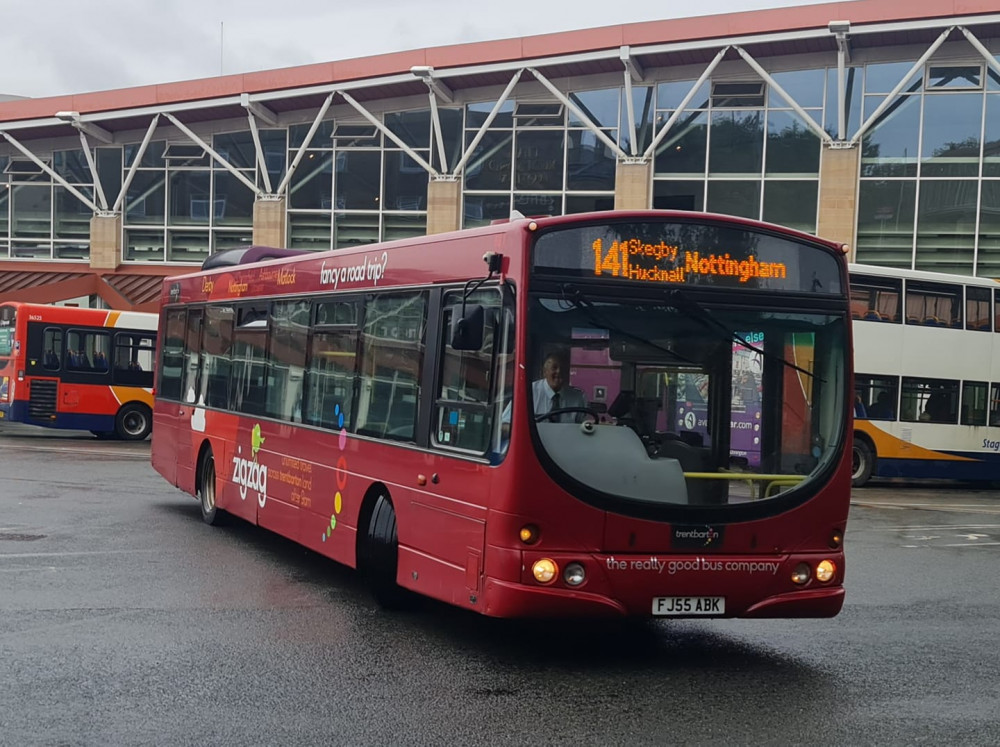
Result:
pixel 190 418
pixel 46 364
pixel 167 407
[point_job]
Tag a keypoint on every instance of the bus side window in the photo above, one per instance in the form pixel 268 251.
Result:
pixel 392 352
pixel 53 342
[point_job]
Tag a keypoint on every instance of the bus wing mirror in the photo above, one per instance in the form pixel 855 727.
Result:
pixel 467 328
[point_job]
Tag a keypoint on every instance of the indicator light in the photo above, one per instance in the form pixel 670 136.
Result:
pixel 529 534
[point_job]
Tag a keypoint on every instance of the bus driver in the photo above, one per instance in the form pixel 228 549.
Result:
pixel 551 392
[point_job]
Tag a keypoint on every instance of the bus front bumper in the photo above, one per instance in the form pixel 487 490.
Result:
pixel 515 600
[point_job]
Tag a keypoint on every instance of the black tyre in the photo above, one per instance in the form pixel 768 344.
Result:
pixel 134 422
pixel 210 513
pixel 381 556
pixel 862 462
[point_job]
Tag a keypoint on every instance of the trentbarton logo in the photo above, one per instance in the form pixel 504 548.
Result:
pixel 248 473
pixel 697 537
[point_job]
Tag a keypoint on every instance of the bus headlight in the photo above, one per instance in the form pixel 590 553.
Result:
pixel 825 570
pixel 801 574
pixel 545 570
pixel 574 574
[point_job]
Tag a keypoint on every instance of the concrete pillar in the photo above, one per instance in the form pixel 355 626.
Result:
pixel 633 185
pixel 444 204
pixel 105 242
pixel 269 223
pixel 838 195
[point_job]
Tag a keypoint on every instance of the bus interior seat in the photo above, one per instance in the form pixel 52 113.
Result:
pixel 692 438
pixel 622 405
pixel 873 316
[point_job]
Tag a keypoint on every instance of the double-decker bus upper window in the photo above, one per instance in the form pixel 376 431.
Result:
pixel 216 353
pixel 392 355
pixel 933 304
pixel 172 356
pixel 875 299
pixel 464 417
pixel 977 309
pixel 287 359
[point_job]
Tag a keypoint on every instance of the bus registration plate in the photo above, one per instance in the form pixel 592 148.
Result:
pixel 689 605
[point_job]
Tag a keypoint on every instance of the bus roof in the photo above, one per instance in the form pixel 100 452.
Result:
pixel 236 258
pixel 936 277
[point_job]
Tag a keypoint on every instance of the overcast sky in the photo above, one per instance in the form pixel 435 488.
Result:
pixel 55 47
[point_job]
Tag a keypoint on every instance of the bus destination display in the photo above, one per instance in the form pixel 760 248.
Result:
pixel 687 254
pixel 634 259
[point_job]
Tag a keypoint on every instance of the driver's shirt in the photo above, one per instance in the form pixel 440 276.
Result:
pixel 569 396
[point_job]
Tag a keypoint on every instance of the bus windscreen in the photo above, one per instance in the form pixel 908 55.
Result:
pixel 678 253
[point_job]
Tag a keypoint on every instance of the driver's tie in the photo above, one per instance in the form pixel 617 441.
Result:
pixel 555 406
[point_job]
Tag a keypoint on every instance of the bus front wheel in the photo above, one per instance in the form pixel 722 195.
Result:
pixel 210 513
pixel 862 462
pixel 381 556
pixel 134 422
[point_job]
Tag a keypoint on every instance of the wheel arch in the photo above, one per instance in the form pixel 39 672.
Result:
pixel 866 441
pixel 206 445
pixel 138 404
pixel 372 494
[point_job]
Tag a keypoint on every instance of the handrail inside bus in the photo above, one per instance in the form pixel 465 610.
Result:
pixel 773 480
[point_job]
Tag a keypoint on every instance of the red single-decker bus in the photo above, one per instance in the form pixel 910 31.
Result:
pixel 639 413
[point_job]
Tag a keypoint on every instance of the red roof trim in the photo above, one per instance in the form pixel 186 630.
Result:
pixel 529 47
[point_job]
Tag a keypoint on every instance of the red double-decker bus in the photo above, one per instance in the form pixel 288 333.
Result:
pixel 609 414
pixel 77 368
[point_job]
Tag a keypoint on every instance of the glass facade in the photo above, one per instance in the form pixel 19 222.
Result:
pixel 40 219
pixel 354 185
pixel 928 194
pixel 740 148
pixel 182 205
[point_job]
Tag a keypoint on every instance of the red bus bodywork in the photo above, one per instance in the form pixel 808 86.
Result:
pixel 102 394
pixel 459 519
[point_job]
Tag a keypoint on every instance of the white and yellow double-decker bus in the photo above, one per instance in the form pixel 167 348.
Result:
pixel 927 375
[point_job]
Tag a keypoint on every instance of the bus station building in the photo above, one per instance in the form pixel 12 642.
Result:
pixel 871 123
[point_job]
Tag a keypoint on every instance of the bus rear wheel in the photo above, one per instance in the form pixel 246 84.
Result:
pixel 210 513
pixel 862 462
pixel 380 558
pixel 134 422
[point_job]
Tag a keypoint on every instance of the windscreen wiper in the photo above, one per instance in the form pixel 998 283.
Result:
pixel 578 299
pixel 696 311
